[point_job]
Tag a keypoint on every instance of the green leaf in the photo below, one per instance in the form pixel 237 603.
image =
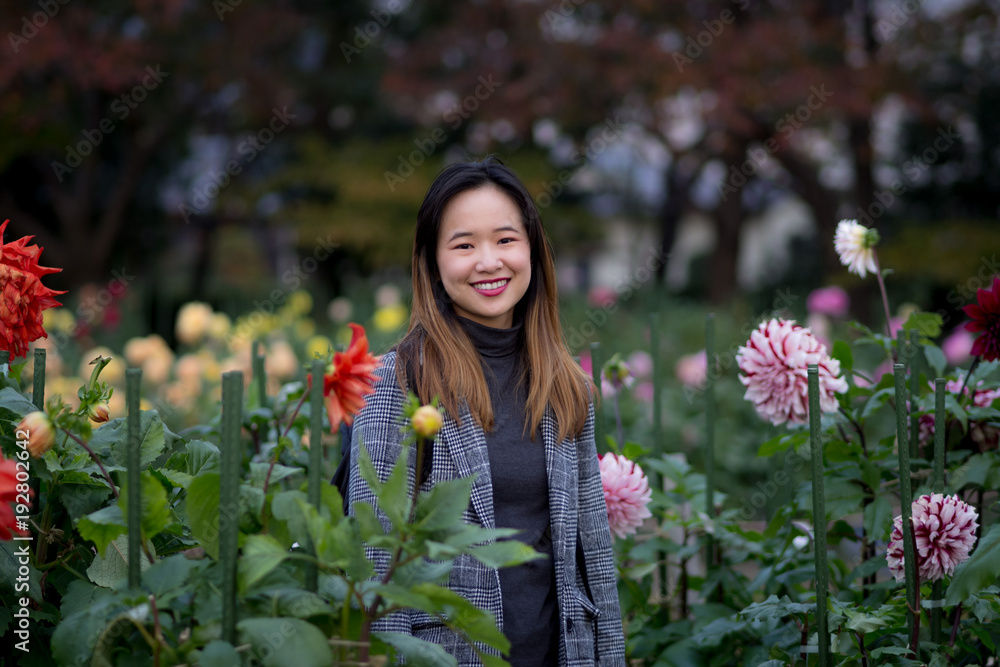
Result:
pixel 167 577
pixel 284 642
pixel 782 442
pixel 443 506
pixel 218 653
pixel 13 400
pixel 156 513
pixel 878 518
pixel 111 565
pixel 200 456
pixel 203 511
pixel 394 497
pixel 418 652
pixel 261 554
pixel 112 439
pixel 935 358
pixel 258 472
pixel 980 571
pixel 285 508
pixel 504 554
pixel 103 526
pixel 956 410
pixel 842 353
pixel 927 324
pixel 80 493
pixel 295 602
pixel 81 596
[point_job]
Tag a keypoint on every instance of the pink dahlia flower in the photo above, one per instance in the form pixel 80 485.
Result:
pixel 626 492
pixel 692 369
pixel 945 531
pixel 957 347
pixel 774 365
pixel 832 301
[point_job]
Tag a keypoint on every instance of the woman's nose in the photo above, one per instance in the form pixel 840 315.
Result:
pixel 489 261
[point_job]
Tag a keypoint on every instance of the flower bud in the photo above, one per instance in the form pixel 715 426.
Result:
pixel 427 421
pixel 99 413
pixel 41 434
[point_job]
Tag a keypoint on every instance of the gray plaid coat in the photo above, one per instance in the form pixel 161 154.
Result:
pixel 591 628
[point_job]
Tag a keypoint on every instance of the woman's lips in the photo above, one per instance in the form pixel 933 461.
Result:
pixel 492 288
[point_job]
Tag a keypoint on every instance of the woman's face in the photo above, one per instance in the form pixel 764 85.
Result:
pixel 484 256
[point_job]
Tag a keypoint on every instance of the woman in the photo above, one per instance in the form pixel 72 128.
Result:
pixel 485 337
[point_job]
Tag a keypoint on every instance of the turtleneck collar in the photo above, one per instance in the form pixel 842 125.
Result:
pixel 494 343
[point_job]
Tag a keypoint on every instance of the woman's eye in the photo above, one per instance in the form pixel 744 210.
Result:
pixel 507 240
pixel 463 246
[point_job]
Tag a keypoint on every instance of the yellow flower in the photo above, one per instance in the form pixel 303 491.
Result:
pixel 427 421
pixel 193 321
pixel 219 326
pixel 304 329
pixel 98 413
pixel 58 319
pixel 281 361
pixel 390 318
pixel 41 433
pixel 300 302
pixel 318 346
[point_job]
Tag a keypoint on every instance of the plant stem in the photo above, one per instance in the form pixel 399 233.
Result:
pixel 861 647
pixel 885 296
pixel 965 380
pixel 345 622
pixel 954 625
pixel 96 460
pixel 395 562
pixel 298 406
pixel 618 421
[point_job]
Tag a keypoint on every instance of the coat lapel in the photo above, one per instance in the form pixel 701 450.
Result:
pixel 467 447
pixel 560 461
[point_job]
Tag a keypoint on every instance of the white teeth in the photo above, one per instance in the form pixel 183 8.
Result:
pixel 493 285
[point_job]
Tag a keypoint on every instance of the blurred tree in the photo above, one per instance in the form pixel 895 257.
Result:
pixel 106 105
pixel 752 99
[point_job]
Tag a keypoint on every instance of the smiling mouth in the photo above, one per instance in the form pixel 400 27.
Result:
pixel 496 284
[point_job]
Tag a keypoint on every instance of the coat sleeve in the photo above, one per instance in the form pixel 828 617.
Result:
pixel 377 428
pixel 595 533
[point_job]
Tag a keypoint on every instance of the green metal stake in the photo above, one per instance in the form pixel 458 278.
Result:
pixel 906 500
pixel 133 380
pixel 938 487
pixel 914 359
pixel 596 362
pixel 710 433
pixel 259 374
pixel 654 353
pixel 819 515
pixel 229 487
pixel 315 457
pixel 38 378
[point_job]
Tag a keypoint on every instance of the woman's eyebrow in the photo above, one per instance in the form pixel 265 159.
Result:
pixel 505 228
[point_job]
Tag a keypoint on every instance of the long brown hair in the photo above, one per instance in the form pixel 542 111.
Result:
pixel 436 356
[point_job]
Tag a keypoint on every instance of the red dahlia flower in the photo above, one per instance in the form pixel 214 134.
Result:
pixel 22 295
pixel 985 316
pixel 349 379
pixel 8 495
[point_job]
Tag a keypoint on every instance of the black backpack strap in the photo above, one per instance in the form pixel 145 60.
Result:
pixel 341 477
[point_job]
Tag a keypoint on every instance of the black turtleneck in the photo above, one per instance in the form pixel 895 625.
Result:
pixel 520 498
